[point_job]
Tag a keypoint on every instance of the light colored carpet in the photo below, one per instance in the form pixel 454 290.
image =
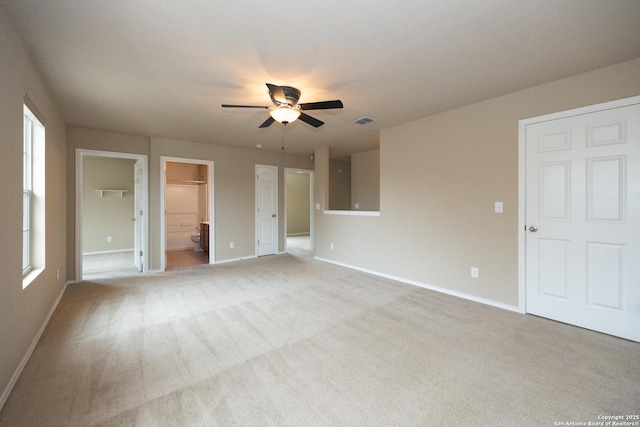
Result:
pixel 101 266
pixel 285 340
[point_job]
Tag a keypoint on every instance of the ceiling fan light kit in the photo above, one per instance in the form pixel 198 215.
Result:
pixel 287 109
pixel 284 114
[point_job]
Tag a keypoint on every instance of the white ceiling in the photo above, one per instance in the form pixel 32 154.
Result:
pixel 163 67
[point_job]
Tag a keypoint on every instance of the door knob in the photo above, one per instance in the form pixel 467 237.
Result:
pixel 533 229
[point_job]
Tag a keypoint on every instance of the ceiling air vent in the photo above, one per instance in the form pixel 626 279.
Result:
pixel 364 120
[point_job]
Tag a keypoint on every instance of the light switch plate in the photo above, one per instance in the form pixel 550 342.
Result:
pixel 499 207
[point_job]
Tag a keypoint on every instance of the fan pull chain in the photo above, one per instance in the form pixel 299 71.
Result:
pixel 284 125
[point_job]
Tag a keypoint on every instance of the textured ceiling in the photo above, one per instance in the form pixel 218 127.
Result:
pixel 163 67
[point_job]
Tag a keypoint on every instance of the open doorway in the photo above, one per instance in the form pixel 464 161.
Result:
pixel 299 211
pixel 187 220
pixel 111 225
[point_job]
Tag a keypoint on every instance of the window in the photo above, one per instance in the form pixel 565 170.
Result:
pixel 26 192
pixel 33 238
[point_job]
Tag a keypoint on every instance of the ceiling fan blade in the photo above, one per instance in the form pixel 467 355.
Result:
pixel 277 93
pixel 242 106
pixel 322 105
pixel 267 122
pixel 310 120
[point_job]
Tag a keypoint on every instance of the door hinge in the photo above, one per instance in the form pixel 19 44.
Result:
pixel 141 212
pixel 140 253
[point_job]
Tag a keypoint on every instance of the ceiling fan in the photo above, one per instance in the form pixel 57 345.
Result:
pixel 287 109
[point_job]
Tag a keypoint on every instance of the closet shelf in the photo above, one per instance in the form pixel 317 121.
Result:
pixel 108 190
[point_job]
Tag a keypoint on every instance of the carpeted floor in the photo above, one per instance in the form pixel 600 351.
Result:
pixel 286 340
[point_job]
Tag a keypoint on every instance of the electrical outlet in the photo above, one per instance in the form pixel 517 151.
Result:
pixel 232 245
pixel 109 239
pixel 331 246
pixel 356 206
pixel 474 272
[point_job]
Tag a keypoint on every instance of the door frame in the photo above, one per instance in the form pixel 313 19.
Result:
pixel 311 204
pixel 143 159
pixel 163 194
pixel 138 214
pixel 522 184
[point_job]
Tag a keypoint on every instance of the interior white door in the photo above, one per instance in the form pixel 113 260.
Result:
pixel 267 209
pixel 583 220
pixel 137 216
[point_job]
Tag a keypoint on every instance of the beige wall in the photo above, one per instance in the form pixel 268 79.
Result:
pixel 339 184
pixel 108 214
pixel 22 312
pixel 365 180
pixel 298 193
pixel 440 177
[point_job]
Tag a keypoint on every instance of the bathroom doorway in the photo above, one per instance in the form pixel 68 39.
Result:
pixel 187 220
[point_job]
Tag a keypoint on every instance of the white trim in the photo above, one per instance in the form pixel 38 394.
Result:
pixel 522 185
pixel 625 102
pixel 522 206
pixel 426 286
pixel 228 260
pixel 80 153
pixel 27 355
pixel 114 251
pixel 352 213
pixel 163 219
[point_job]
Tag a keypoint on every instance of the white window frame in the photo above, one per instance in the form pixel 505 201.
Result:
pixel 33 210
pixel 27 190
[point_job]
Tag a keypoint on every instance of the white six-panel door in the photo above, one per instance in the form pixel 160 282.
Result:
pixel 583 220
pixel 266 209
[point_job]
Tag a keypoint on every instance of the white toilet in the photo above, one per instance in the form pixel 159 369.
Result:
pixel 195 238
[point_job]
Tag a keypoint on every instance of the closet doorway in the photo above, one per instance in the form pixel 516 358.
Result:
pixel 187 218
pixel 111 220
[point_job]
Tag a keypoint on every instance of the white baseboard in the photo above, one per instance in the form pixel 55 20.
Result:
pixel 473 298
pixel 225 261
pixel 114 251
pixel 25 358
